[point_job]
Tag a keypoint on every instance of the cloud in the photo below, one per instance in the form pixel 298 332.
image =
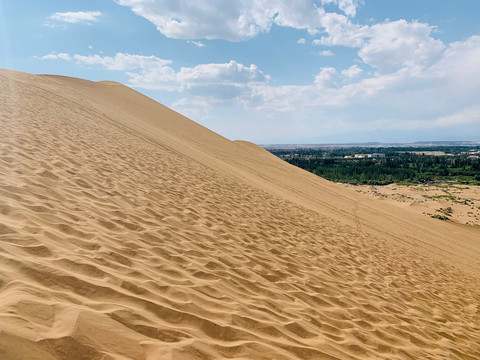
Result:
pixel 462 117
pixel 196 43
pixel 326 78
pixel 85 17
pixel 442 95
pixel 340 30
pixel 237 20
pixel 219 81
pixel 226 80
pixel 123 61
pixel 62 56
pixel 184 102
pixel 349 7
pixel 352 72
pixel 148 72
pixel 301 41
pixel 386 46
pixel 231 72
pixel 326 53
pixel 393 45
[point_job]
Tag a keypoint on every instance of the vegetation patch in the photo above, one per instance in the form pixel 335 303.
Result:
pixel 445 166
pixel 446 211
pixel 439 217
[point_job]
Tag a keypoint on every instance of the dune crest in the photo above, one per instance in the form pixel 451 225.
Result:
pixel 129 232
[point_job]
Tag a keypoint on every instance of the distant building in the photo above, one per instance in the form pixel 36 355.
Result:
pixel 376 155
pixel 371 156
pixel 429 153
pixel 476 157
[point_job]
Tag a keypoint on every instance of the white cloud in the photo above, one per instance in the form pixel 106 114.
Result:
pixel 226 80
pixel 184 102
pixel 442 95
pixel 149 72
pixel 339 30
pixel 462 117
pixel 352 72
pixel 393 45
pixel 74 17
pixel 386 46
pixel 326 78
pixel 238 20
pixel 349 7
pixel 62 56
pixel 221 81
pixel 301 41
pixel 287 98
pixel 123 61
pixel 231 72
pixel 326 53
pixel 196 43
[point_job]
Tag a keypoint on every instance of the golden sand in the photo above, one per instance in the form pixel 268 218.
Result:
pixel 449 202
pixel 129 232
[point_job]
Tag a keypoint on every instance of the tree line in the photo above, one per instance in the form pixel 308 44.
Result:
pixel 398 166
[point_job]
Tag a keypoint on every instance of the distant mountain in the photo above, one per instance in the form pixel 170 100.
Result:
pixel 374 144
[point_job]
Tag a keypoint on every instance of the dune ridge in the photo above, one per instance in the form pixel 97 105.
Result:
pixel 129 232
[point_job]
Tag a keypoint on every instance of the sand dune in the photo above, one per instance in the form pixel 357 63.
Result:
pixel 129 232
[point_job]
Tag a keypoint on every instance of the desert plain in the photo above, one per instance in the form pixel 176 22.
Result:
pixel 448 202
pixel 127 231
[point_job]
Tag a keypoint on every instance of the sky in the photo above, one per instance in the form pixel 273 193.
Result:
pixel 270 71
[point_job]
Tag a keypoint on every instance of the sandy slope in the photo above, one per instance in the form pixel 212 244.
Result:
pixel 458 203
pixel 130 232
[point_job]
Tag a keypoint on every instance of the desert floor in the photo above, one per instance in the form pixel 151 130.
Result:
pixel 457 203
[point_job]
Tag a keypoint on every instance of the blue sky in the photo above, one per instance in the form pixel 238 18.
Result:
pixel 270 71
